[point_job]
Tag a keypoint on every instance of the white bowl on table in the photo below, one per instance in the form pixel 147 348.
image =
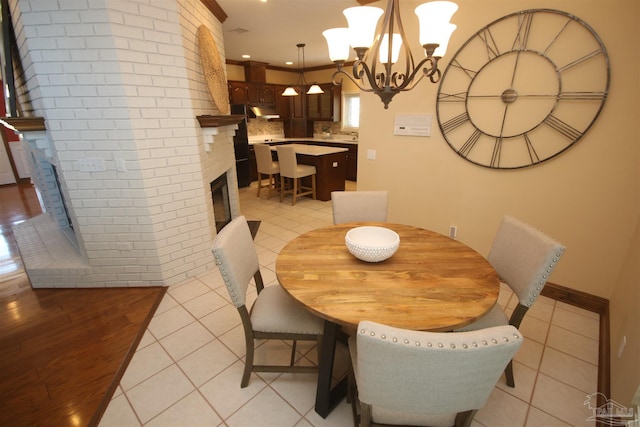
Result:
pixel 371 243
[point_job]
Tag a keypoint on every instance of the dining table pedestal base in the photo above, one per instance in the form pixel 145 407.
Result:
pixel 328 395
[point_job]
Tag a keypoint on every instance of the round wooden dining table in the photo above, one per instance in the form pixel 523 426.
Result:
pixel 431 283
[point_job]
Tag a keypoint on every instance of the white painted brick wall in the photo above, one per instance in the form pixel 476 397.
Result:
pixel 125 84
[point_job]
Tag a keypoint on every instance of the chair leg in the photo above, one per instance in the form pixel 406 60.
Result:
pixel 281 188
pixel 295 190
pixel 248 364
pixel 313 185
pixel 508 372
pixel 273 185
pixel 259 183
pixel 293 353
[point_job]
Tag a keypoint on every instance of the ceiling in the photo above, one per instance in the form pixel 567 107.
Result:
pixel 275 27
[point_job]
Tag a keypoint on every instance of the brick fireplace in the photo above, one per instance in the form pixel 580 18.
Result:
pixel 127 104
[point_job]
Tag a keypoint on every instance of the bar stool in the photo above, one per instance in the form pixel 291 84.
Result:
pixel 292 171
pixel 266 166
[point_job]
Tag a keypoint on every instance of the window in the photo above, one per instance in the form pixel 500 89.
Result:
pixel 351 110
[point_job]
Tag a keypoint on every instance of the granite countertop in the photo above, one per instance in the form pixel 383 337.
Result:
pixel 257 139
pixel 315 150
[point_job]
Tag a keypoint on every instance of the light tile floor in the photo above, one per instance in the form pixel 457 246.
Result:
pixel 186 371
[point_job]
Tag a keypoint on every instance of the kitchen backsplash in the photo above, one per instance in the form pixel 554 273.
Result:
pixel 261 126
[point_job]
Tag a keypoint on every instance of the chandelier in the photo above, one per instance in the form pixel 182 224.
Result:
pixel 378 52
pixel 314 89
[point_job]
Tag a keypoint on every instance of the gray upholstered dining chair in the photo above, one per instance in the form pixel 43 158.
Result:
pixel 351 206
pixel 274 315
pixel 405 377
pixel 524 258
pixel 266 166
pixel 291 171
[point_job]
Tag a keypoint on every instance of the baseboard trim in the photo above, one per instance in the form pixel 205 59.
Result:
pixel 597 305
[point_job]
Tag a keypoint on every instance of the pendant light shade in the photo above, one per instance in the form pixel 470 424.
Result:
pixel 301 84
pixel 290 91
pixel 314 89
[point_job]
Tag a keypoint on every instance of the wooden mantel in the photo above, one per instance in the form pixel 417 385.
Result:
pixel 207 121
pixel 24 124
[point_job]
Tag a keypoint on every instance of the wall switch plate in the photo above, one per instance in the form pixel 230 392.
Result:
pixel 453 231
pixel 91 165
pixel 371 154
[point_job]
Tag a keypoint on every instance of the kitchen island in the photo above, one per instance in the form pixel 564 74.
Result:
pixel 330 164
pixel 350 144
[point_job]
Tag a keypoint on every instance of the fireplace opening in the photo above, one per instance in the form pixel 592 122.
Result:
pixel 63 203
pixel 221 205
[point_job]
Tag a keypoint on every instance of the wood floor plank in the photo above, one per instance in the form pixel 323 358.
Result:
pixel 64 351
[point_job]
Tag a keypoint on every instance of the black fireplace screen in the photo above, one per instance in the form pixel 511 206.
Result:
pixel 221 205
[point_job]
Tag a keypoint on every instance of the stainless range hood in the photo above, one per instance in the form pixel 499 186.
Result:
pixel 264 112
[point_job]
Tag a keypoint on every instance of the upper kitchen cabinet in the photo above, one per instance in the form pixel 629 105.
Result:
pixel 283 103
pixel 325 106
pixel 238 93
pixel 261 94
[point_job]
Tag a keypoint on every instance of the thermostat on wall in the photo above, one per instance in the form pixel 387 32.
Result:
pixel 412 124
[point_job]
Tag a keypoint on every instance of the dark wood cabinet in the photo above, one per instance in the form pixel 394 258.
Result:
pixel 282 103
pixel 325 106
pixel 261 94
pixel 352 162
pixel 238 93
pixel 352 157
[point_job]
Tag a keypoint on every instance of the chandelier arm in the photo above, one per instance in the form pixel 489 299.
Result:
pixel 353 80
pixel 430 69
pixel 360 69
pixel 409 63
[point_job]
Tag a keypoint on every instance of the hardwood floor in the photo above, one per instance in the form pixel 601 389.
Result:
pixel 63 351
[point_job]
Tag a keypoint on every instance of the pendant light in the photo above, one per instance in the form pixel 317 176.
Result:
pixel 314 89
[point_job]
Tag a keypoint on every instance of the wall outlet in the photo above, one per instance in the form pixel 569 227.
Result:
pixel 91 165
pixel 120 165
pixel 453 231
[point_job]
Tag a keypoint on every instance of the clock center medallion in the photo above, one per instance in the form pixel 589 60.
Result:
pixel 509 96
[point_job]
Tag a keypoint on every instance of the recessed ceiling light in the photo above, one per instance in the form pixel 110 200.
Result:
pixel 245 56
pixel 289 63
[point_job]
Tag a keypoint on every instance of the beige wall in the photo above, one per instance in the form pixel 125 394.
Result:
pixel 587 198
pixel 625 320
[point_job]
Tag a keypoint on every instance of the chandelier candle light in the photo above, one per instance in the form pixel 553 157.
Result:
pixel 385 45
pixel 314 89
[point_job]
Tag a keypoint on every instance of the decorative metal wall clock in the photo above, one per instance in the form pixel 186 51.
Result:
pixel 523 89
